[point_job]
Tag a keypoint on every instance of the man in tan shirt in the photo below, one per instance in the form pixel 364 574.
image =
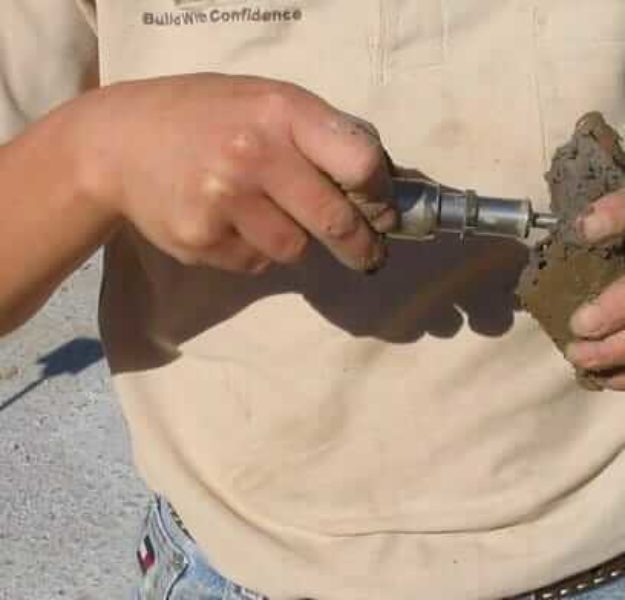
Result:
pixel 322 434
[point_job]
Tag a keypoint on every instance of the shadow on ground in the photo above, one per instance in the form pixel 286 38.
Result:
pixel 69 359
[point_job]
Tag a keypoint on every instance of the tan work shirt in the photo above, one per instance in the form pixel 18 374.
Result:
pixel 326 435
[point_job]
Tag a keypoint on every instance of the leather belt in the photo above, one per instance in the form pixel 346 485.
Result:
pixel 593 578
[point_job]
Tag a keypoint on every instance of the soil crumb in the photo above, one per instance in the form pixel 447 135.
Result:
pixel 563 273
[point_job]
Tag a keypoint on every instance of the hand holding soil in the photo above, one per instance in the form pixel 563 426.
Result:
pixel 600 323
pixel 575 282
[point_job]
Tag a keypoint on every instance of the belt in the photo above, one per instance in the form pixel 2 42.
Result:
pixel 593 578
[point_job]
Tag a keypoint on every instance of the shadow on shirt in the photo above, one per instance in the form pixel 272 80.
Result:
pixel 433 288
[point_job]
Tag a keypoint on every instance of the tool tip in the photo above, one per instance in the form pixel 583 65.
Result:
pixel 544 220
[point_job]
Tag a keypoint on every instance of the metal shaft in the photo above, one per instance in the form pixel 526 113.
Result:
pixel 544 220
pixel 426 208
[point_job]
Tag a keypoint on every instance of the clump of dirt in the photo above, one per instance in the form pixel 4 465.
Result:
pixel 563 272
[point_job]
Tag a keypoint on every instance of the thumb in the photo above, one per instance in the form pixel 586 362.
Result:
pixel 605 218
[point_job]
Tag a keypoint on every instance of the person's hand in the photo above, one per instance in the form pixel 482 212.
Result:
pixel 600 324
pixel 236 172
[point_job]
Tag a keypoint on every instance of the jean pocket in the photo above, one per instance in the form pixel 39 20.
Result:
pixel 161 561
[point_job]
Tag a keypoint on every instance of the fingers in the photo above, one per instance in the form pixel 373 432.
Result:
pixel 599 355
pixel 204 231
pixel 264 226
pixel 603 316
pixel 604 358
pixel 605 219
pixel 349 150
pixel 614 382
pixel 323 210
pixel 338 144
pixel 372 178
pixel 305 195
pixel 601 325
pixel 232 253
pixel 382 217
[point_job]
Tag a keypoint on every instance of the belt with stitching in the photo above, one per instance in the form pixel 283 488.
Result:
pixel 593 578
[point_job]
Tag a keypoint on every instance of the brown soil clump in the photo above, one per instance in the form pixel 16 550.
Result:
pixel 564 273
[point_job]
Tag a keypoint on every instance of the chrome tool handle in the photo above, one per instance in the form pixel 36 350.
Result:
pixel 426 208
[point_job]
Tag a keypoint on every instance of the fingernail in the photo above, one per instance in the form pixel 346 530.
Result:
pixel 587 321
pixel 376 259
pixel 584 355
pixel 575 353
pixel 595 227
pixel 360 199
pixel 386 221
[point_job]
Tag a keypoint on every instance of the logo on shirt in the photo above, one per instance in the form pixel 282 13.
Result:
pixel 199 4
pixel 215 12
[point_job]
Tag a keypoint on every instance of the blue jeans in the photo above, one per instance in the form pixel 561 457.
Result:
pixel 174 568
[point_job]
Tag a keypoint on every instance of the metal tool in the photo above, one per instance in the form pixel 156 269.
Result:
pixel 426 208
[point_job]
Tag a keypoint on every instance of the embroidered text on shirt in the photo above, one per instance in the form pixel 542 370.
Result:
pixel 216 15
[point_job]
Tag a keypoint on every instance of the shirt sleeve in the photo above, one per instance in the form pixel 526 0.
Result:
pixel 48 54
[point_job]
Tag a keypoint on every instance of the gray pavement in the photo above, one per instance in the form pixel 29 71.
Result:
pixel 70 501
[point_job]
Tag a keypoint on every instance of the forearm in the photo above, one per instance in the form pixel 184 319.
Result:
pixel 50 220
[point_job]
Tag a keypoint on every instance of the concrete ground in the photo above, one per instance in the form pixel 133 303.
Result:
pixel 70 502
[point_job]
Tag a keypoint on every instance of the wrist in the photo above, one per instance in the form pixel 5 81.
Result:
pixel 86 142
pixel 53 215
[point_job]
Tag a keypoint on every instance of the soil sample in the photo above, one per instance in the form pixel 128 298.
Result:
pixel 563 272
